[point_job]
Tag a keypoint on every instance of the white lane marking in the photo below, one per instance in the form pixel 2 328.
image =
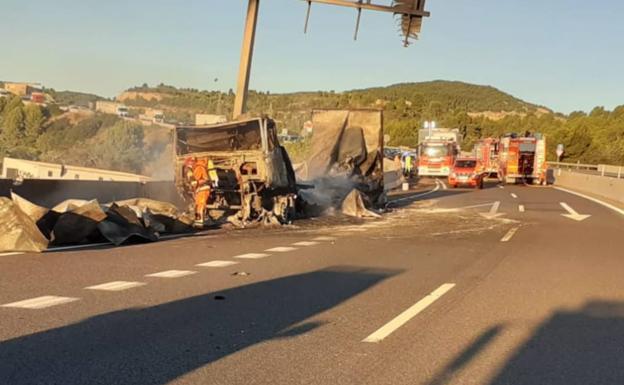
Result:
pixel 437 187
pixel 11 253
pixel 521 208
pixel 493 213
pixel 252 256
pixel 40 302
pixel 116 286
pixel 475 206
pixel 514 196
pixel 605 204
pixel 509 234
pixel 281 249
pixel 444 186
pixel 323 238
pixel 572 214
pixel 352 229
pixel 171 274
pixel 408 314
pixel 305 243
pixel 217 264
pixel 501 186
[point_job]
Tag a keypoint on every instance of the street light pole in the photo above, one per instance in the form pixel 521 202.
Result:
pixel 240 102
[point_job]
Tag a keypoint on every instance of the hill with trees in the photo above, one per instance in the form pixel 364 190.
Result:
pixel 98 140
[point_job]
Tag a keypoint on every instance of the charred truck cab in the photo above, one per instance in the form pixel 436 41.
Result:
pixel 251 177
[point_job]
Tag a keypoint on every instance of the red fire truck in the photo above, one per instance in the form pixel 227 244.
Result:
pixel 437 150
pixel 486 152
pixel 523 159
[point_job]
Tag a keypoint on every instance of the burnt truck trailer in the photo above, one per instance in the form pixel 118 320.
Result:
pixel 255 178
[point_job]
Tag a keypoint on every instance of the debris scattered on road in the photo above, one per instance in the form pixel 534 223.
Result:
pixel 25 226
pixel 241 273
pixel 18 231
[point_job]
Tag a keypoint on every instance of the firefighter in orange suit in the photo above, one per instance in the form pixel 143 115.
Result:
pixel 202 189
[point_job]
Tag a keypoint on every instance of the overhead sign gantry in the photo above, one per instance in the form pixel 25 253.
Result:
pixel 409 12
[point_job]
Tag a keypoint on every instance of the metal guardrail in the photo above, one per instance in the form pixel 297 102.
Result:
pixel 594 169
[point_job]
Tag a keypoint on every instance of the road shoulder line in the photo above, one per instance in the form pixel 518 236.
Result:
pixel 595 200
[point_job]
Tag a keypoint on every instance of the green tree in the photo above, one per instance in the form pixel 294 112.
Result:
pixel 33 121
pixel 13 132
pixel 12 104
pixel 3 103
pixel 123 147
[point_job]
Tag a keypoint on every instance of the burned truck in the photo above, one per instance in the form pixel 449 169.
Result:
pixel 251 176
pixel 345 163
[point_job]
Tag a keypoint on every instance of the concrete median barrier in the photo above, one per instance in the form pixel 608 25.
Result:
pixel 49 193
pixel 609 188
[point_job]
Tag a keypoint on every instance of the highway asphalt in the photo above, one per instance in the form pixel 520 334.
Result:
pixel 451 286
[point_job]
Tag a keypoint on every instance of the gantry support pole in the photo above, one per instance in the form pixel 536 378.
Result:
pixel 240 103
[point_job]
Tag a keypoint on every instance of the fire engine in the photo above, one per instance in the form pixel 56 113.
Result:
pixel 437 150
pixel 522 159
pixel 486 152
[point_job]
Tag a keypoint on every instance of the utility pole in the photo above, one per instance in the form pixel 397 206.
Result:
pixel 240 102
pixel 411 12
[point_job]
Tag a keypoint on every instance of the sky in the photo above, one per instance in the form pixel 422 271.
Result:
pixel 565 54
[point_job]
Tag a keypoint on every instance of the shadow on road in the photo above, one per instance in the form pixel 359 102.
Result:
pixel 570 348
pixel 155 345
pixel 445 375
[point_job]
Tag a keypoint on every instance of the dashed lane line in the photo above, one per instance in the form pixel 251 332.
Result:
pixel 352 229
pixel 40 302
pixel 171 274
pixel 444 186
pixel 217 264
pixel 514 196
pixel 408 314
pixel 252 256
pixel 324 238
pixel 281 249
pixel 521 208
pixel 500 186
pixel 116 286
pixel 305 243
pixel 509 234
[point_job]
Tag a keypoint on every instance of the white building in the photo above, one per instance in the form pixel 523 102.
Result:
pixel 29 169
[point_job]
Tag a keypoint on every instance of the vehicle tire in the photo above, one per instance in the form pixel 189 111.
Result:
pixel 480 185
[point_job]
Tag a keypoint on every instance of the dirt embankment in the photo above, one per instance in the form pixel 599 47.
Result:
pixel 133 95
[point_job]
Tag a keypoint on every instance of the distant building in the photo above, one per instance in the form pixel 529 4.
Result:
pixel 111 108
pixel 153 116
pixel 205 119
pixel 22 89
pixel 286 137
pixel 29 169
pixel 38 97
